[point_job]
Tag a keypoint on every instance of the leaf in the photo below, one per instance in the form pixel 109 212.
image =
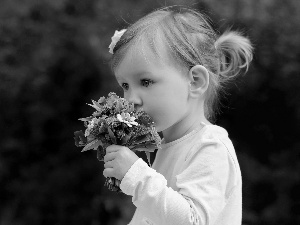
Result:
pixel 112 136
pixel 85 119
pixel 125 139
pixel 143 148
pixel 140 139
pixel 90 138
pixel 148 158
pixel 92 145
pixel 97 113
pixel 95 106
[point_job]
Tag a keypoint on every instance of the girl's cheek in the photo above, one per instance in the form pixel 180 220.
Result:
pixel 159 122
pixel 157 113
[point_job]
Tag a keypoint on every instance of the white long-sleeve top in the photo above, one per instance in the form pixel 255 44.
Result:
pixel 193 180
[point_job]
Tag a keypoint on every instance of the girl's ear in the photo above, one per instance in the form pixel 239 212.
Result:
pixel 199 80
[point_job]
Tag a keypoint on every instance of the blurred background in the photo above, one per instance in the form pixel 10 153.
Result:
pixel 54 59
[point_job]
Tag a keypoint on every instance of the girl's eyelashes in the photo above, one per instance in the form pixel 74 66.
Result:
pixel 146 82
pixel 125 86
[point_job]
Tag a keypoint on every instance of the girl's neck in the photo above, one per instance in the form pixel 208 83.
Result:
pixel 183 127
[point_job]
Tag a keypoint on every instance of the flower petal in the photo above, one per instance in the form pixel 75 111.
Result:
pixel 119 117
pixel 134 123
pixel 115 39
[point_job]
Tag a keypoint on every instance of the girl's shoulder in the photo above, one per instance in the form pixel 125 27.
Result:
pixel 211 134
pixel 215 131
pixel 212 140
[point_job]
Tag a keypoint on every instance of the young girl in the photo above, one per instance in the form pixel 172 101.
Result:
pixel 172 64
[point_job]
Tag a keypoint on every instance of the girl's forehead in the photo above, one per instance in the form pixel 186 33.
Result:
pixel 136 63
pixel 143 56
pixel 140 57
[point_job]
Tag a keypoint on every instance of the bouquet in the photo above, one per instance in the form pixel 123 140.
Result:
pixel 115 121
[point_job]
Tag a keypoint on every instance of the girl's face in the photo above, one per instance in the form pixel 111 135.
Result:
pixel 157 87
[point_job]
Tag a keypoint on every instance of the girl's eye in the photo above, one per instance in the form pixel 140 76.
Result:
pixel 125 86
pixel 146 82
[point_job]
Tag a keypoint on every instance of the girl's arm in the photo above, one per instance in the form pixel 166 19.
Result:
pixel 151 195
pixel 204 187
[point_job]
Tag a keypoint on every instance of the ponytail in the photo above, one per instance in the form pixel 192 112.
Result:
pixel 235 53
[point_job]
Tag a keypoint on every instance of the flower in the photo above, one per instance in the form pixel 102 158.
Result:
pixel 92 123
pixel 116 122
pixel 90 126
pixel 126 118
pixel 115 39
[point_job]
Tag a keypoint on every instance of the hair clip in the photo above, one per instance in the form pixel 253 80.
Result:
pixel 115 39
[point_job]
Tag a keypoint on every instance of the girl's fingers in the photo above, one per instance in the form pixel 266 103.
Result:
pixel 108 172
pixel 109 156
pixel 113 148
pixel 108 164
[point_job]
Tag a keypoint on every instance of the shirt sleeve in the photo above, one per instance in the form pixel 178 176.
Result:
pixel 203 187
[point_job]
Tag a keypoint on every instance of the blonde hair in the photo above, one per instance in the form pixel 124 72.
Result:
pixel 190 40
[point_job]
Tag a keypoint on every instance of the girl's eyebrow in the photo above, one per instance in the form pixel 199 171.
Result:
pixel 138 74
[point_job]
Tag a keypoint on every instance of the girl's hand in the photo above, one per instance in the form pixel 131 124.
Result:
pixel 118 160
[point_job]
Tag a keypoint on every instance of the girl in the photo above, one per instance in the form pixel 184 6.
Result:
pixel 173 65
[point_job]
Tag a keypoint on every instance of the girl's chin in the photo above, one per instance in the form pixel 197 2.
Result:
pixel 158 128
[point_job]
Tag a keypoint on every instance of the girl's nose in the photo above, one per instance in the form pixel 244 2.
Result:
pixel 134 98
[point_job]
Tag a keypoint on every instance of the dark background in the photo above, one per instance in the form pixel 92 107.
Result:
pixel 54 59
